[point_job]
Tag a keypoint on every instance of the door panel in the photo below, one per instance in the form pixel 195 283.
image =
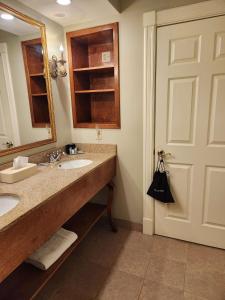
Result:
pixel 220 45
pixel 181 110
pixel 180 179
pixel 217 111
pixel 214 197
pixel 190 124
pixel 185 50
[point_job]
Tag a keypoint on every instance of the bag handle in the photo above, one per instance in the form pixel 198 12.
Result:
pixel 160 165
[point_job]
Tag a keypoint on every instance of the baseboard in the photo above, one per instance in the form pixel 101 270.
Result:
pixel 124 224
pixel 148 226
pixel 129 225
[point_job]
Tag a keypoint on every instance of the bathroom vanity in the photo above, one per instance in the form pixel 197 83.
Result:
pixel 50 199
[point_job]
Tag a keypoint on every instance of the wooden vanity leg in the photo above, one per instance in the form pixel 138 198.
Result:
pixel 110 186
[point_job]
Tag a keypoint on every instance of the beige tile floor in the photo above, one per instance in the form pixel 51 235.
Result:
pixel 131 266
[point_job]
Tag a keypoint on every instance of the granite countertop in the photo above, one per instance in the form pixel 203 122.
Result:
pixel 48 181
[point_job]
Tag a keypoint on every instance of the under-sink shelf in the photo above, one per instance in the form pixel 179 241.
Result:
pixel 26 281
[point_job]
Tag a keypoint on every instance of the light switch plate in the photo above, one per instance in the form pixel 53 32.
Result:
pixel 106 57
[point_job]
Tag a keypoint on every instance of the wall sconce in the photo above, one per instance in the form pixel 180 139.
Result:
pixel 57 67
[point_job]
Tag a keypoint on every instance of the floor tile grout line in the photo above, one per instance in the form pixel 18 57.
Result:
pixel 144 278
pixel 185 277
pixel 139 295
pixel 107 275
pixel 186 265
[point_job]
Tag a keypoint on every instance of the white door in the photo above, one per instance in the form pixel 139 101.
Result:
pixel 190 124
pixel 8 118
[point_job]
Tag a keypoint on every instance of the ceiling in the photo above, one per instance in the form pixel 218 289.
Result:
pixel 17 26
pixel 78 12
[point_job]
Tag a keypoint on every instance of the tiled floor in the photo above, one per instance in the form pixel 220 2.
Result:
pixel 131 266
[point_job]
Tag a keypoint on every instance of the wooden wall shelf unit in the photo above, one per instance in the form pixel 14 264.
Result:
pixel 36 84
pixel 94 76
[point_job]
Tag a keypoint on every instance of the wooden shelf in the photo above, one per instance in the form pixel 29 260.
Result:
pixel 39 94
pixel 104 125
pixel 95 69
pixel 94 82
pixel 37 74
pixel 26 281
pixel 95 91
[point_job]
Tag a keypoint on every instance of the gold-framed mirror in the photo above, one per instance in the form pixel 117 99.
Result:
pixel 26 104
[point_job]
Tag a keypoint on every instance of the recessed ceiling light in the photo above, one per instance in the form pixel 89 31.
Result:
pixel 7 16
pixel 64 2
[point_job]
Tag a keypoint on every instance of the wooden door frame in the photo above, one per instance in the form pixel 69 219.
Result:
pixel 152 20
pixel 10 93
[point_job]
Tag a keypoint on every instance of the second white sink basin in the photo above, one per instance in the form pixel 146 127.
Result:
pixel 74 164
pixel 7 203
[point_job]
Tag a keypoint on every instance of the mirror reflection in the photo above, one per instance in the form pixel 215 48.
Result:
pixel 24 109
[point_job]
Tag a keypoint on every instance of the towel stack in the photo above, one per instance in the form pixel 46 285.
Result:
pixel 48 253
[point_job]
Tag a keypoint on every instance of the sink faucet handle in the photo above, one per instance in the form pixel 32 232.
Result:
pixel 55 155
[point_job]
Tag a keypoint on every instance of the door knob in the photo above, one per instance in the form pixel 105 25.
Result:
pixel 162 154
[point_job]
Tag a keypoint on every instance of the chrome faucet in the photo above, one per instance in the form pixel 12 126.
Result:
pixel 55 156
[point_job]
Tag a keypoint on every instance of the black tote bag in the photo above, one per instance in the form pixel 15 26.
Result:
pixel 159 189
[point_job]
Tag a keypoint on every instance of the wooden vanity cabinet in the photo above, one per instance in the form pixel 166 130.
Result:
pixel 36 84
pixel 68 208
pixel 94 76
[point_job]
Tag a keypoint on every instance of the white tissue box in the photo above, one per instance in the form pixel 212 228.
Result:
pixel 12 175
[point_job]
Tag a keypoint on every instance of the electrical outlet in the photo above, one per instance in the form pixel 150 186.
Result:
pixel 106 57
pixel 49 131
pixel 98 133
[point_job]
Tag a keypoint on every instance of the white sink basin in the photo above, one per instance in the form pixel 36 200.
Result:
pixel 74 164
pixel 7 203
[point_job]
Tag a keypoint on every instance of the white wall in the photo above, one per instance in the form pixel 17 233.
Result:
pixel 60 98
pixel 128 196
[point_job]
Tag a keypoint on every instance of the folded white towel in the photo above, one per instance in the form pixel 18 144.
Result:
pixel 48 253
